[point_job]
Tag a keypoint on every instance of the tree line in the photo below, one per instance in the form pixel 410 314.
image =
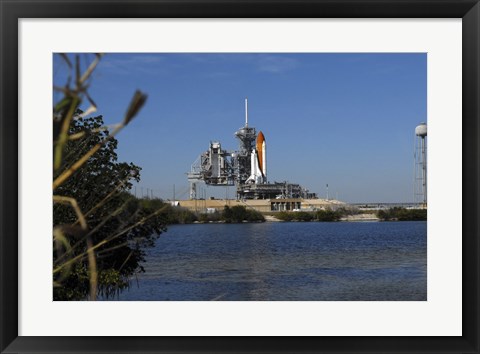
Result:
pixel 402 214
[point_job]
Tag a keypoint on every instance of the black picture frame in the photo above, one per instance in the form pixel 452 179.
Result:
pixel 12 10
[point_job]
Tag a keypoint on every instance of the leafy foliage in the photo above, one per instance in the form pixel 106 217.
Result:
pixel 118 225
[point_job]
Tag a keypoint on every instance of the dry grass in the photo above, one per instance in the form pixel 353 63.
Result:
pixel 64 112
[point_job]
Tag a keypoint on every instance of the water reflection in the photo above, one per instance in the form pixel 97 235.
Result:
pixel 287 261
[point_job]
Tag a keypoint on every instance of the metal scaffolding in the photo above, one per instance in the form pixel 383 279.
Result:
pixel 244 168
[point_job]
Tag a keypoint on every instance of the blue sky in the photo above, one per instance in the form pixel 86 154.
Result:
pixel 343 119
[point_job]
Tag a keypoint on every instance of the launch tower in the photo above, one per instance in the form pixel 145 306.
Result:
pixel 246 168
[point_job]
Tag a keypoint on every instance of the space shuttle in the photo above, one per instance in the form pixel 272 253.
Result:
pixel 258 161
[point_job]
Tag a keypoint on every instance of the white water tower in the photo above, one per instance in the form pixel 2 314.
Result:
pixel 420 156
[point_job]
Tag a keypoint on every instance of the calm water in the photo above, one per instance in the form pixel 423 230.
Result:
pixel 287 261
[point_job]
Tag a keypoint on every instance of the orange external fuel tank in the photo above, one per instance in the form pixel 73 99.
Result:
pixel 261 145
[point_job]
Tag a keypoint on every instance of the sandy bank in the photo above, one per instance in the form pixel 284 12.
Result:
pixel 360 217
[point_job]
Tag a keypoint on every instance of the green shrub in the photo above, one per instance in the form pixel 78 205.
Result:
pixel 328 215
pixel 285 216
pixel 303 216
pixel 210 217
pixel 239 213
pixel 402 214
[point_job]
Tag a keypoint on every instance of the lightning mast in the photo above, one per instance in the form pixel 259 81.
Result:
pixel 246 112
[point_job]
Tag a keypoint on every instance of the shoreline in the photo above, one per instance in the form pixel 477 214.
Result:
pixel 361 217
pixel 269 218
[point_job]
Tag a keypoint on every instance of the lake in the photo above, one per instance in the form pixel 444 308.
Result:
pixel 312 261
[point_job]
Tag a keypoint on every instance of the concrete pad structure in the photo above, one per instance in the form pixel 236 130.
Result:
pixel 261 205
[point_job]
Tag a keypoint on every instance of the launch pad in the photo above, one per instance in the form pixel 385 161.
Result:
pixel 245 168
pixel 274 190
